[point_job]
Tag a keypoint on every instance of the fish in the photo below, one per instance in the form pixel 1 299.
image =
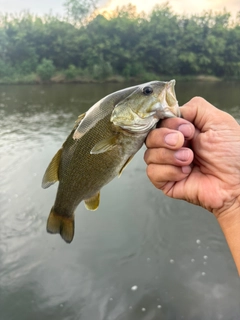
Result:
pixel 101 144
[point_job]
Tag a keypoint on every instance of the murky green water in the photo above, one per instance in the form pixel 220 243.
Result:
pixel 140 256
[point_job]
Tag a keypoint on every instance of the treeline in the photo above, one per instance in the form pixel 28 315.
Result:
pixel 123 44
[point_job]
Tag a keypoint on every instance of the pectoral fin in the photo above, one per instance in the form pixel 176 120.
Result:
pixel 125 164
pixel 104 145
pixel 93 202
pixel 51 174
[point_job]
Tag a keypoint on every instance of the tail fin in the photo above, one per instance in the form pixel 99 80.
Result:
pixel 61 224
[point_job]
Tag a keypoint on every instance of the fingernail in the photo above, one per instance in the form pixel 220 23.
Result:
pixel 171 139
pixel 182 155
pixel 186 169
pixel 186 129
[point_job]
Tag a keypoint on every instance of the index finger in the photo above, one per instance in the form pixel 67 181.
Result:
pixel 165 138
pixel 180 124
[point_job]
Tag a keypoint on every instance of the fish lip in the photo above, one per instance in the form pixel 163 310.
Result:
pixel 171 98
pixel 170 107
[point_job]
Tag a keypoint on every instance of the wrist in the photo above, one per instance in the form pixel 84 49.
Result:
pixel 230 217
pixel 229 222
pixel 230 214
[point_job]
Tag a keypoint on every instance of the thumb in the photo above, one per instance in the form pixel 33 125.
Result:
pixel 202 114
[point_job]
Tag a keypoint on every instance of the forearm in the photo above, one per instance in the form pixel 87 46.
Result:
pixel 230 225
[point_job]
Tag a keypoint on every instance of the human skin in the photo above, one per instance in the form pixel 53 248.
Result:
pixel 197 158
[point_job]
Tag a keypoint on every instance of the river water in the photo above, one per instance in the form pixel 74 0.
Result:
pixel 139 256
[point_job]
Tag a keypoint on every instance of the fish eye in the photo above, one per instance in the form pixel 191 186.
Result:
pixel 147 90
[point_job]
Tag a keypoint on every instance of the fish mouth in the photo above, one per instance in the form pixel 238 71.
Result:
pixel 169 104
pixel 170 94
pixel 165 105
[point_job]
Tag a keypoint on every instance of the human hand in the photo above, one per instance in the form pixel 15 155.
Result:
pixel 197 158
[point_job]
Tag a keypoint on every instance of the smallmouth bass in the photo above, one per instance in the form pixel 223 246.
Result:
pixel 101 144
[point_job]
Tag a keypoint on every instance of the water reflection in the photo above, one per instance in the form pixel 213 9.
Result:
pixel 140 256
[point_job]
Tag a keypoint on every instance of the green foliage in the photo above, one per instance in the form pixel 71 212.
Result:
pixel 71 72
pixel 102 70
pixel 5 69
pixel 19 79
pixel 78 10
pixel 133 70
pixel 46 70
pixel 125 43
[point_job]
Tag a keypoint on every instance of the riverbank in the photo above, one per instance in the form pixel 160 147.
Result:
pixel 62 78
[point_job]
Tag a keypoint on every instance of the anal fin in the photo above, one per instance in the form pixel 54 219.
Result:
pixel 63 225
pixel 93 202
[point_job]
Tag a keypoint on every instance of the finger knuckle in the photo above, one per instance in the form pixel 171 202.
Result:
pixel 151 172
pixel 197 100
pixel 150 139
pixel 146 156
pixel 161 155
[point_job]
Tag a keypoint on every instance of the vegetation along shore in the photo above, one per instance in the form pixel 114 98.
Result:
pixel 119 46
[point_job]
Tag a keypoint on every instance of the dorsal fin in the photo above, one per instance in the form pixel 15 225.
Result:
pixel 51 174
pixel 79 119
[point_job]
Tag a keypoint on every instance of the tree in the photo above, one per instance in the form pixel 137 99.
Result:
pixel 79 10
pixel 46 69
pixel 121 43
